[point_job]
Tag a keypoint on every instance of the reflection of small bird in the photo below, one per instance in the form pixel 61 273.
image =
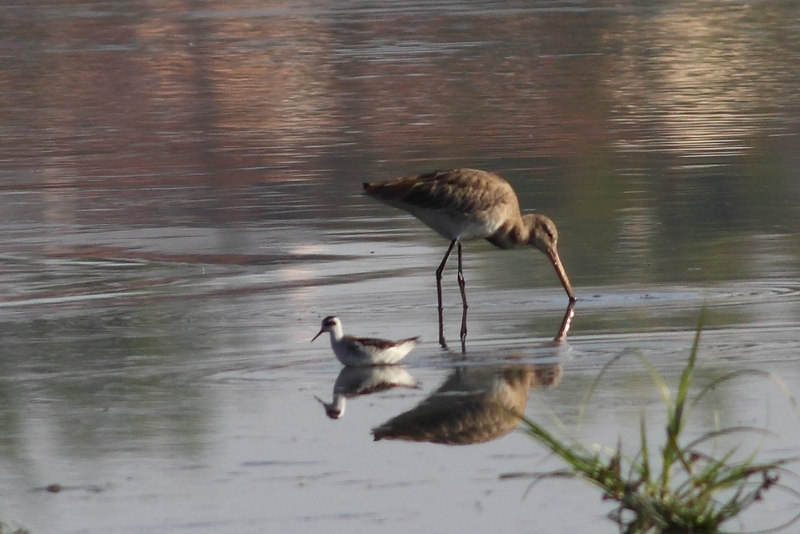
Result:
pixel 364 350
pixel 356 381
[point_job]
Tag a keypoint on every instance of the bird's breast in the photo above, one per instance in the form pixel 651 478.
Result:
pixel 464 227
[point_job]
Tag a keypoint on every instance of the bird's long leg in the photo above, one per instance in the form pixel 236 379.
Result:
pixel 439 290
pixel 462 286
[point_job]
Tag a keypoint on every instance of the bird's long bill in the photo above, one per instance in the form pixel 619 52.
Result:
pixel 562 273
pixel 318 334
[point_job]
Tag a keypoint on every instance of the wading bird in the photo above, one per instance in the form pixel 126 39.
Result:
pixel 357 351
pixel 467 204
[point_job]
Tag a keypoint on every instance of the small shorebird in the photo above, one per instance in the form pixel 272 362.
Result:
pixel 357 351
pixel 467 204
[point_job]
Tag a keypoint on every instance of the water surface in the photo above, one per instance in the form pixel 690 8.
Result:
pixel 180 192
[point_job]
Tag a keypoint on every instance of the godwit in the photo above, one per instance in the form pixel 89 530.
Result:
pixel 467 204
pixel 358 351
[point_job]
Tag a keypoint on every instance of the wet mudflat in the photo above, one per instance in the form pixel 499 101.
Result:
pixel 180 192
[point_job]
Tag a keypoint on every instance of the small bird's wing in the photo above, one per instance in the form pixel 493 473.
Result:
pixel 381 344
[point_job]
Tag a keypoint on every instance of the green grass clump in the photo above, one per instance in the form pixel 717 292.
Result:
pixel 684 490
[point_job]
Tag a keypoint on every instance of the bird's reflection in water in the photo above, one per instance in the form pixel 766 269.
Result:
pixel 356 381
pixel 479 404
pixel 474 405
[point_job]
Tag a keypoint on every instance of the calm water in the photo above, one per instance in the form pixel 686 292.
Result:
pixel 180 193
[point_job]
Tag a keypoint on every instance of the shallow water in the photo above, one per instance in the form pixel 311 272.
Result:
pixel 181 207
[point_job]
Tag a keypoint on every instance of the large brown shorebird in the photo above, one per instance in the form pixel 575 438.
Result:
pixel 468 204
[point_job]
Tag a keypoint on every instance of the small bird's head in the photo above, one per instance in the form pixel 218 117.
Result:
pixel 544 236
pixel 335 409
pixel 331 324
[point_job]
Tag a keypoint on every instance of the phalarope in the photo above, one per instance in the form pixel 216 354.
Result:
pixel 358 351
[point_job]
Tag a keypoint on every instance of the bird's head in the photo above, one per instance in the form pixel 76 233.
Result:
pixel 543 233
pixel 544 236
pixel 335 409
pixel 329 324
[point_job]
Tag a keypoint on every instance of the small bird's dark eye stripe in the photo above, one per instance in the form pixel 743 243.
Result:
pixel 329 321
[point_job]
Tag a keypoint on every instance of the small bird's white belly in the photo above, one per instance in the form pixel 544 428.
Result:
pixel 352 353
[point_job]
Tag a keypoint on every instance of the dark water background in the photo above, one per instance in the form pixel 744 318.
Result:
pixel 180 207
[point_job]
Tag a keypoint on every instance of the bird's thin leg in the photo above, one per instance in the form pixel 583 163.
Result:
pixel 439 291
pixel 462 286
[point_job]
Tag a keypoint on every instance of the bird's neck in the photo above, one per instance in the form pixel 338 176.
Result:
pixel 338 402
pixel 336 408
pixel 513 232
pixel 337 333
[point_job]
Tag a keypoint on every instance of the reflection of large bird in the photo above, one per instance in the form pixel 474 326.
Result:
pixel 357 351
pixel 466 204
pixel 356 381
pixel 474 405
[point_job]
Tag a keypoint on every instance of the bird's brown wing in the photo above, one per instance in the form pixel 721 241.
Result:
pixel 454 191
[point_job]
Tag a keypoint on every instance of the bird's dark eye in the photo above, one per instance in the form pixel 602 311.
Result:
pixel 551 232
